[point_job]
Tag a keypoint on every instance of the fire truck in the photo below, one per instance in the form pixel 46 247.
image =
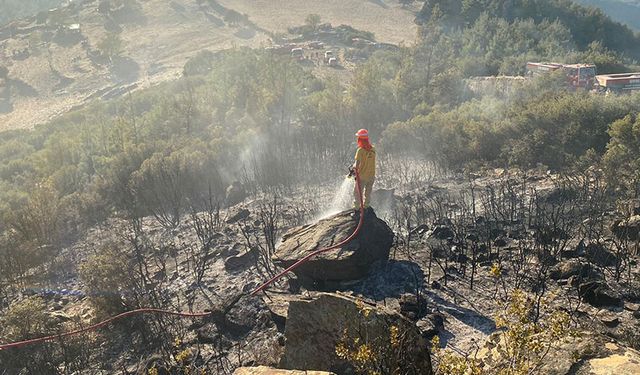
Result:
pixel 578 75
pixel 623 82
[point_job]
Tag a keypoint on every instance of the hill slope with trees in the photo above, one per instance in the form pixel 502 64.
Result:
pixel 624 11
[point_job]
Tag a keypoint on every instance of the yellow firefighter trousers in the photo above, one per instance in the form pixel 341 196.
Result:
pixel 367 188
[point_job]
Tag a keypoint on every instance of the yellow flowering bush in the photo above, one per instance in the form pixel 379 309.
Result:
pixel 372 347
pixel 521 345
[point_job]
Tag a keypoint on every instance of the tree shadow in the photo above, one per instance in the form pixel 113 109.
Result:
pixel 22 88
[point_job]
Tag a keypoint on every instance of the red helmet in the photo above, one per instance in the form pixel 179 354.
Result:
pixel 362 133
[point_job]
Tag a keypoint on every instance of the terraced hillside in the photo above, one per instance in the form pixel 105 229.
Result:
pixel 64 58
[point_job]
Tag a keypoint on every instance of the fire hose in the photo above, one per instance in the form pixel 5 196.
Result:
pixel 262 287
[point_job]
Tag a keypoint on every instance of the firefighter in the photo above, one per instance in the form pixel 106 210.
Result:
pixel 365 163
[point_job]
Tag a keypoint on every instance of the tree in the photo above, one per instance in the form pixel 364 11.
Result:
pixel 233 18
pixel 111 45
pixel 313 20
pixel 622 158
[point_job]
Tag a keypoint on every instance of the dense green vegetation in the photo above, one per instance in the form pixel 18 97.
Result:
pixel 13 9
pixel 584 25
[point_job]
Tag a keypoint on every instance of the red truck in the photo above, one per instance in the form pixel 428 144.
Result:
pixel 578 75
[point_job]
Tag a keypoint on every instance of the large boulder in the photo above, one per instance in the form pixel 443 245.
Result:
pixel 599 294
pixel 350 262
pixel 264 370
pixel 628 229
pixel 598 254
pixel 315 327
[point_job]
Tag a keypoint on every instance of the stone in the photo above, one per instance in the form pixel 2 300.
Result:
pixel 237 215
pixel 599 294
pixel 500 242
pixel 235 193
pixel 442 232
pixel 572 267
pixel 241 262
pixel 597 254
pixel 621 360
pixel 631 306
pixel 628 229
pixel 315 327
pixel 350 262
pixel 264 370
pixel 610 320
pixel 590 354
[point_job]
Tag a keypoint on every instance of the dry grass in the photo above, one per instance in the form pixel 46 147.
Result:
pixel 387 19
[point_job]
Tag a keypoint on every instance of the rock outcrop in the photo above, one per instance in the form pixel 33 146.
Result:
pixel 587 353
pixel 263 370
pixel 315 327
pixel 351 262
pixel 590 354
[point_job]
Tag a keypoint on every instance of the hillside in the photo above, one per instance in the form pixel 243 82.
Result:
pixel 52 69
pixel 58 74
pixel 624 11
pixel 386 19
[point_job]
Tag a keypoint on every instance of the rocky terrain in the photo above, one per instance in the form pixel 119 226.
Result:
pixel 379 277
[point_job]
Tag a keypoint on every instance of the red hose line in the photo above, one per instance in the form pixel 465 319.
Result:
pixel 96 326
pixel 100 325
pixel 313 254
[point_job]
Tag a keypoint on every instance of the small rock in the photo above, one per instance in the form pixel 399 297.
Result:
pixel 241 262
pixel 610 320
pixel 238 215
pixel 500 242
pixel 631 306
pixel 572 267
pixel 235 193
pixel 597 254
pixel 442 232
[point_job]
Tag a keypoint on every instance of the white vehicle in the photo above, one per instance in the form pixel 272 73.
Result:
pixel 328 55
pixel 297 53
pixel 333 61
